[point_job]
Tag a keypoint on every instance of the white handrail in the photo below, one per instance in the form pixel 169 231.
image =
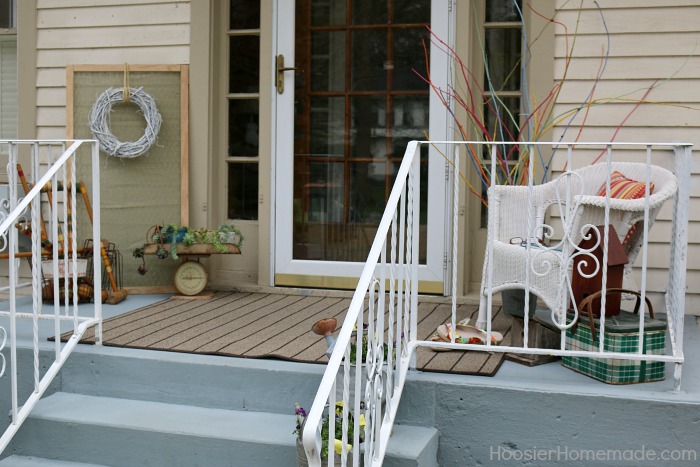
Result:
pixel 404 198
pixel 382 393
pixel 61 170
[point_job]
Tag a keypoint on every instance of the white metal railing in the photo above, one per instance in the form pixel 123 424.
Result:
pixel 52 170
pixel 384 310
pixel 381 314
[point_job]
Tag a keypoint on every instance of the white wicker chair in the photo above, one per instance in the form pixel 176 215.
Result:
pixel 550 266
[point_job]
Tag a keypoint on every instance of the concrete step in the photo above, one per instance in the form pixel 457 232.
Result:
pixel 259 385
pixel 31 461
pixel 200 380
pixel 127 432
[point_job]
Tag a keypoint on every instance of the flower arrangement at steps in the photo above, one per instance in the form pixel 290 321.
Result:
pixel 325 427
pixel 173 234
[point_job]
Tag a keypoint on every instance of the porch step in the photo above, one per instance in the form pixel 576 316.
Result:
pixel 31 461
pixel 123 432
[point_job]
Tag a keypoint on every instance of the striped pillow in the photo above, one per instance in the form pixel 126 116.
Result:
pixel 622 187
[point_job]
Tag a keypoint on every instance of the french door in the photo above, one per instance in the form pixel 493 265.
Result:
pixel 347 102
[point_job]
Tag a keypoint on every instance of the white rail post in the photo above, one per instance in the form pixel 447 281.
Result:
pixel 12 169
pixel 679 252
pixel 455 233
pixel 96 240
pixel 415 241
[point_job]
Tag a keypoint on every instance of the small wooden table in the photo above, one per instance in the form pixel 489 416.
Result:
pixel 191 277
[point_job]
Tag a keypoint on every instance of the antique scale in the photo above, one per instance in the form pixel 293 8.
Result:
pixel 191 276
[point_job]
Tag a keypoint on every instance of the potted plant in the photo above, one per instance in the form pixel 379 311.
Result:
pixel 363 353
pixel 173 234
pixel 325 428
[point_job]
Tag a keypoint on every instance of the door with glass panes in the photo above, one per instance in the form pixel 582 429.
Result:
pixel 348 99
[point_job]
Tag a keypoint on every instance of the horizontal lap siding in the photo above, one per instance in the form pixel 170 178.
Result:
pixel 73 32
pixel 649 41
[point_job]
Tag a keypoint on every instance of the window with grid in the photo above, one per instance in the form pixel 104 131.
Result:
pixel 243 98
pixel 502 52
pixel 358 104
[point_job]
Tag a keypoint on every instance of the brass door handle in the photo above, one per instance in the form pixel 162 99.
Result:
pixel 280 73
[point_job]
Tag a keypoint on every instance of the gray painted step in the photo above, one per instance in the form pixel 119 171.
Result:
pixel 123 432
pixel 27 461
pixel 258 385
pixel 202 380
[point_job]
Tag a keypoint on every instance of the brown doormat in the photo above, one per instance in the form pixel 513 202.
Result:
pixel 262 325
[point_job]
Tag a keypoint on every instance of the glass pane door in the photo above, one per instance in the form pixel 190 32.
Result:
pixel 357 102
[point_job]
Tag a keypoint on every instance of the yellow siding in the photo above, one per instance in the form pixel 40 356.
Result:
pixel 574 5
pixel 114 15
pixel 46 4
pixel 93 32
pixel 663 18
pixel 115 36
pixel 648 40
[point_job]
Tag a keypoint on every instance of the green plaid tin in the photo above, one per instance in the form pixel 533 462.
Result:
pixel 621 335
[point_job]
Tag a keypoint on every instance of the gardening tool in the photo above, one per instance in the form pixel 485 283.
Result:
pixel 47 189
pixel 44 235
pixel 116 295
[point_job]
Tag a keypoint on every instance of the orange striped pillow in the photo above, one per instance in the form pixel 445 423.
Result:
pixel 622 187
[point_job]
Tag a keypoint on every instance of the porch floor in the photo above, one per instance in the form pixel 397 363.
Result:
pixel 550 377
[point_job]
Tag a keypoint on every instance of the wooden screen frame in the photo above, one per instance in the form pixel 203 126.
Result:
pixel 183 70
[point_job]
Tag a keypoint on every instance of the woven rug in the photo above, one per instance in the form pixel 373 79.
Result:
pixel 262 325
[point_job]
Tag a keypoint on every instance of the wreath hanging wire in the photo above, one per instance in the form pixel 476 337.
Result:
pixel 99 120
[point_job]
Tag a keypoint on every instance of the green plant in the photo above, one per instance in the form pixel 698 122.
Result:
pixel 174 233
pixel 325 427
pixel 363 350
pixel 169 233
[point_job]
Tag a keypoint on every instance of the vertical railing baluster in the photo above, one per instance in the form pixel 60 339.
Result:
pixel 455 230
pixel 380 360
pixel 528 247
pixel 12 234
pixel 346 403
pixel 72 231
pixel 404 244
pixel 679 250
pixel 391 330
pixel 645 244
pixel 96 240
pixel 401 286
pixel 489 245
pixel 606 246
pixel 415 239
pixel 331 422
pixel 53 210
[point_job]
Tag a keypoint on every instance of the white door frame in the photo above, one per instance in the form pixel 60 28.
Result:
pixel 434 274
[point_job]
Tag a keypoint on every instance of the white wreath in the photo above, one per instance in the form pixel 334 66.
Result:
pixel 100 126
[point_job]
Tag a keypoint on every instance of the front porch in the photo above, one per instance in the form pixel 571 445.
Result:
pixel 130 407
pixel 237 411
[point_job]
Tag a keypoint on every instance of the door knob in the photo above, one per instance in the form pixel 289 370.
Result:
pixel 280 73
